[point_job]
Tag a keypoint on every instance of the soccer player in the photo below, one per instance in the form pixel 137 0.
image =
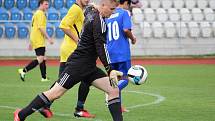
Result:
pixel 119 32
pixel 37 37
pixel 81 65
pixel 71 25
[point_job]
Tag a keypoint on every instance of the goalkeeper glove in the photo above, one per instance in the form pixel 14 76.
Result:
pixel 114 77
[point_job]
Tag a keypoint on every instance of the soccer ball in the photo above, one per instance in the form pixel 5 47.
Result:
pixel 137 74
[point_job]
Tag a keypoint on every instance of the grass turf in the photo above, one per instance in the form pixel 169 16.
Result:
pixel 188 91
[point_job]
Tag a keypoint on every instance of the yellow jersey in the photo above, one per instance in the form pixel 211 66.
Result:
pixel 36 36
pixel 74 21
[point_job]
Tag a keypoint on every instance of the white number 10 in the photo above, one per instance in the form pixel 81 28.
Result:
pixel 113 31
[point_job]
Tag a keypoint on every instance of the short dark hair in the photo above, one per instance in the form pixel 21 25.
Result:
pixel 122 1
pixel 41 2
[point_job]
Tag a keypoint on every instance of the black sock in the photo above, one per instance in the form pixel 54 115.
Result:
pixel 31 65
pixel 62 67
pixel 114 106
pixel 83 91
pixel 43 69
pixel 40 101
pixel 49 105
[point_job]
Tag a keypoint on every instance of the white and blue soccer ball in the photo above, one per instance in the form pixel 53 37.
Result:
pixel 137 74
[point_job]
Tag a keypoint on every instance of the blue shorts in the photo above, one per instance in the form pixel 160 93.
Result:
pixel 122 66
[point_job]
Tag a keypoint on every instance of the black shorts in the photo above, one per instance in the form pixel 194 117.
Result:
pixel 74 74
pixel 40 51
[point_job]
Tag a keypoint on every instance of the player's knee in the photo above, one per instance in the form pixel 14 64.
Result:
pixel 40 59
pixel 114 92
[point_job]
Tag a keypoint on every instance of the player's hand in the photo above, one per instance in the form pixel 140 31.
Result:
pixel 51 41
pixel 30 47
pixel 134 41
pixel 114 77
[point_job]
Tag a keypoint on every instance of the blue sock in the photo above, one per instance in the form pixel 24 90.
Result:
pixel 122 84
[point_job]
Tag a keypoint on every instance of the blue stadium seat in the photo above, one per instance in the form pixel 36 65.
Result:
pixel 1 31
pixel 0 3
pixel 69 3
pixel 15 14
pixel 8 4
pixel 58 32
pixel 58 4
pixel 63 12
pixel 4 15
pixel 50 29
pixel 22 30
pixel 10 30
pixel 33 4
pixel 27 14
pixel 21 4
pixel 53 14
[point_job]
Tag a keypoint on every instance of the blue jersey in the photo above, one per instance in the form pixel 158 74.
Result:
pixel 117 42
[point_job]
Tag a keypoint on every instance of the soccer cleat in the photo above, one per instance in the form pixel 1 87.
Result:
pixel 16 116
pixel 22 74
pixel 46 112
pixel 45 80
pixel 84 114
pixel 124 110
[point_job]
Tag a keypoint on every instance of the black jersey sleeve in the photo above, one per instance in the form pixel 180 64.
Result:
pixel 99 35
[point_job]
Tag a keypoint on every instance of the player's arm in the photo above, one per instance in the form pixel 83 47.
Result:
pixel 130 35
pixel 127 27
pixel 41 18
pixel 69 33
pixel 43 31
pixel 68 22
pixel 100 42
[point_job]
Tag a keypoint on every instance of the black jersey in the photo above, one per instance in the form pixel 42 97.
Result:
pixel 92 43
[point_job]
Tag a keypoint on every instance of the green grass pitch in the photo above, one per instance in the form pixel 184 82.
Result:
pixel 171 93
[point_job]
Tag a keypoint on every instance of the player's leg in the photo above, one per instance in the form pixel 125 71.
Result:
pixel 61 68
pixel 65 82
pixel 123 82
pixel 122 67
pixel 102 82
pixel 41 100
pixel 46 110
pixel 43 68
pixel 42 61
pixel 83 91
pixel 32 64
